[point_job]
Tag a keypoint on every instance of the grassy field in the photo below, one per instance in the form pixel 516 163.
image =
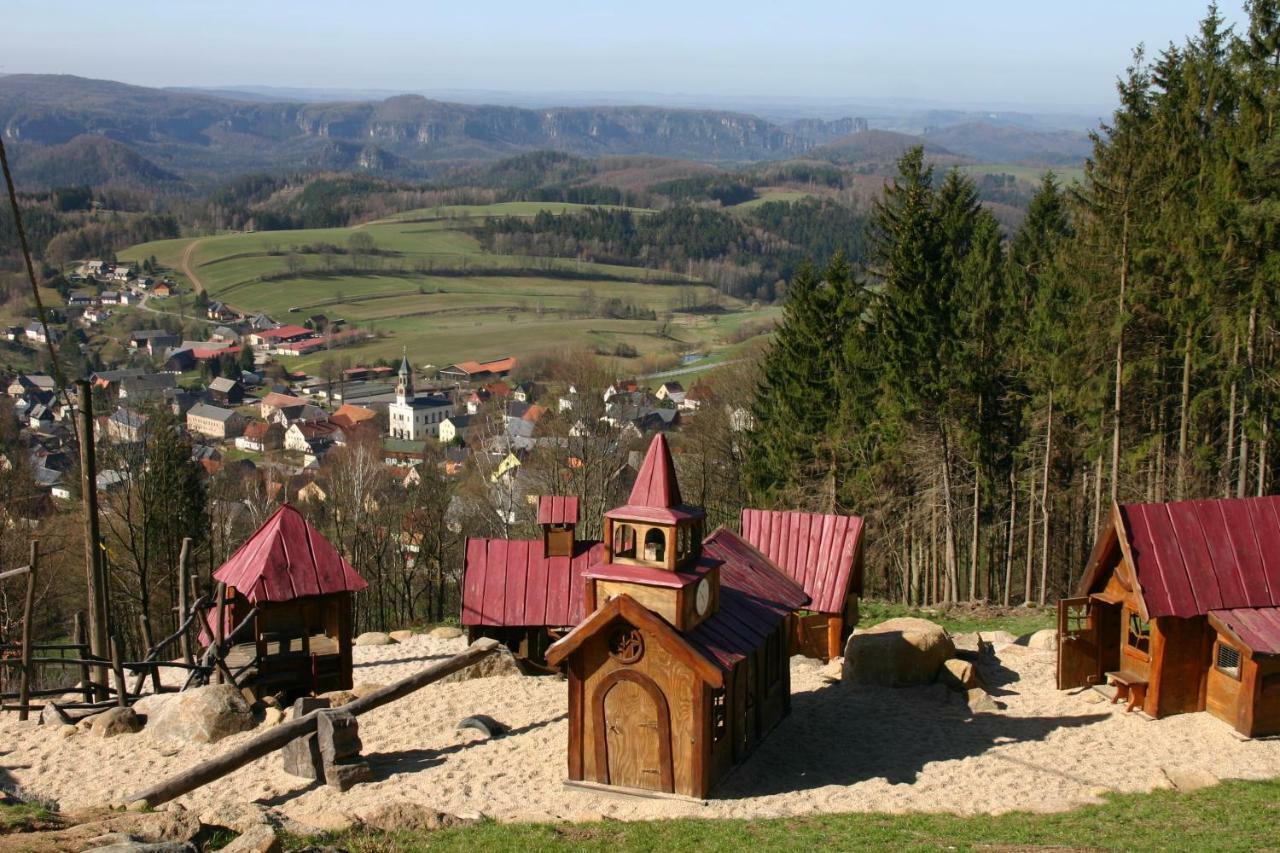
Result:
pixel 1066 174
pixel 962 618
pixel 768 195
pixel 433 290
pixel 1228 817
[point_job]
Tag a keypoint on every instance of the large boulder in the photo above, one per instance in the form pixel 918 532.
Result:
pixel 1044 641
pixel 203 715
pixel 374 638
pixel 500 663
pixel 402 636
pixel 896 653
pixel 959 675
pixel 115 721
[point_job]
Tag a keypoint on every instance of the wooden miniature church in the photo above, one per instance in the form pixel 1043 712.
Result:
pixel 681 666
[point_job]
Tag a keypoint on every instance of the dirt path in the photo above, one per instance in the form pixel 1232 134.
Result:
pixel 187 269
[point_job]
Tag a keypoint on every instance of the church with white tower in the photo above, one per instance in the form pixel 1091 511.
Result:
pixel 411 417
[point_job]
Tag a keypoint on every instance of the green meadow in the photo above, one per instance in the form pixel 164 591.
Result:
pixel 433 290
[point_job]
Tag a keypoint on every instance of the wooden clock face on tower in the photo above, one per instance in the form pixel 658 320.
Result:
pixel 702 598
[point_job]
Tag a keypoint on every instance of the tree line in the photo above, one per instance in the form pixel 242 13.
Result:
pixel 984 400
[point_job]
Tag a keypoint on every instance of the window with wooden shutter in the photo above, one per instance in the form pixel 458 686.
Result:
pixel 1228 661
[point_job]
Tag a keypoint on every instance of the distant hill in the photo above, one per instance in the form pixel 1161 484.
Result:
pixel 203 138
pixel 90 161
pixel 876 147
pixel 1004 143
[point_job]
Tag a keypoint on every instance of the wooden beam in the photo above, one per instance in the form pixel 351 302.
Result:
pixel 117 667
pixel 28 605
pixel 275 738
pixel 184 573
pixel 95 576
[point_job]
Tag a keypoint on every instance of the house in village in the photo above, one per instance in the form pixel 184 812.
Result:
pixel 477 371
pixel 155 341
pixel 671 392
pixel 226 391
pixel 311 437
pixel 146 388
pixel 456 428
pixel 1179 608
pixel 35 333
pixel 269 338
pixel 220 312
pixel 412 417
pixel 214 422
pixel 350 417
pixel 126 425
pixel 260 437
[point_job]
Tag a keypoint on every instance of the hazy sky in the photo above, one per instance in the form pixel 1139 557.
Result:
pixel 1051 55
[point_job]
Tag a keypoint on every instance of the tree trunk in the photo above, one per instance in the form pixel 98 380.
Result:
pixel 948 524
pixel 1184 419
pixel 1013 521
pixel 1097 495
pixel 1244 402
pixel 1119 367
pixel 973 540
pixel 1044 503
pixel 1031 538
pixel 1230 459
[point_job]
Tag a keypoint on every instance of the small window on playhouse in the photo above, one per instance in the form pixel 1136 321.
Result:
pixel 1138 634
pixel 655 545
pixel 1228 662
pixel 624 541
pixel 719 720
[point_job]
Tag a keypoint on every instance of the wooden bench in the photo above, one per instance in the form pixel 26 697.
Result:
pixel 1129 686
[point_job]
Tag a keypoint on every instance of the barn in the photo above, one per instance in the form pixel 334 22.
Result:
pixel 1178 609
pixel 822 553
pixel 681 668
pixel 298 589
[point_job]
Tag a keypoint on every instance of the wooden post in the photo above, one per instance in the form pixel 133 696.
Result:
pixel 117 667
pixel 95 576
pixel 28 605
pixel 835 625
pixel 219 629
pixel 275 738
pixel 155 670
pixel 79 638
pixel 184 642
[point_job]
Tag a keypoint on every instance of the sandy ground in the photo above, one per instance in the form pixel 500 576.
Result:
pixel 841 750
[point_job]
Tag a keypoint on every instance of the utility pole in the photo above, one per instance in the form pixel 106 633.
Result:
pixel 95 581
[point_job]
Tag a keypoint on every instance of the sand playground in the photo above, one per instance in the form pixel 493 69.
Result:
pixel 842 749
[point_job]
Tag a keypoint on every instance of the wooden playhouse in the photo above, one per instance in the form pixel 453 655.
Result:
pixel 298 589
pixel 1178 608
pixel 822 553
pixel 681 667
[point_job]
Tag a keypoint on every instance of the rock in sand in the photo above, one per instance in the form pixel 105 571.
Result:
pixel 444 632
pixel 374 638
pixel 959 675
pixel 1044 641
pixel 115 721
pixel 203 715
pixel 401 636
pixel 896 653
pixel 500 663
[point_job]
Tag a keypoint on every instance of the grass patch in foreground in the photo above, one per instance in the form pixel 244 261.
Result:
pixel 963 618
pixel 26 817
pixel 1231 816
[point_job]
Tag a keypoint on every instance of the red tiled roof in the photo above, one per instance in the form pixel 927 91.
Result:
pixel 511 583
pixel 286 559
pixel 1193 557
pixel 1256 627
pixel 282 401
pixel 497 365
pixel 818 551
pixel 553 509
pixel 283 333
pixel 349 415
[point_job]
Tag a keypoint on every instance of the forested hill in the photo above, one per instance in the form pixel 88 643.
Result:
pixel 190 133
pixel 171 135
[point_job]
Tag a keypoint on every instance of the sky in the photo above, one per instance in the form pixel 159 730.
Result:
pixel 1059 56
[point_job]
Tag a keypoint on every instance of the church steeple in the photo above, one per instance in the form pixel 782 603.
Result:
pixel 404 381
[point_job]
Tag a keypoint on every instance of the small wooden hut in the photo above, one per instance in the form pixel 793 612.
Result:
pixel 681 668
pixel 521 592
pixel 1178 608
pixel 301 588
pixel 822 553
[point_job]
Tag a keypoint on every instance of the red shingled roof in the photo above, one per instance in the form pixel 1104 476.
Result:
pixel 286 559
pixel 554 509
pixel 1194 557
pixel 511 583
pixel 1256 627
pixel 656 493
pixel 819 551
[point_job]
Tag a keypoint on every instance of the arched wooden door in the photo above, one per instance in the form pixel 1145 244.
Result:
pixel 633 732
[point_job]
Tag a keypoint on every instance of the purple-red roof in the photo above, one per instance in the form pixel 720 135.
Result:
pixel 755 597
pixel 1256 627
pixel 1194 557
pixel 818 551
pixel 656 493
pixel 286 559
pixel 554 509
pixel 510 583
